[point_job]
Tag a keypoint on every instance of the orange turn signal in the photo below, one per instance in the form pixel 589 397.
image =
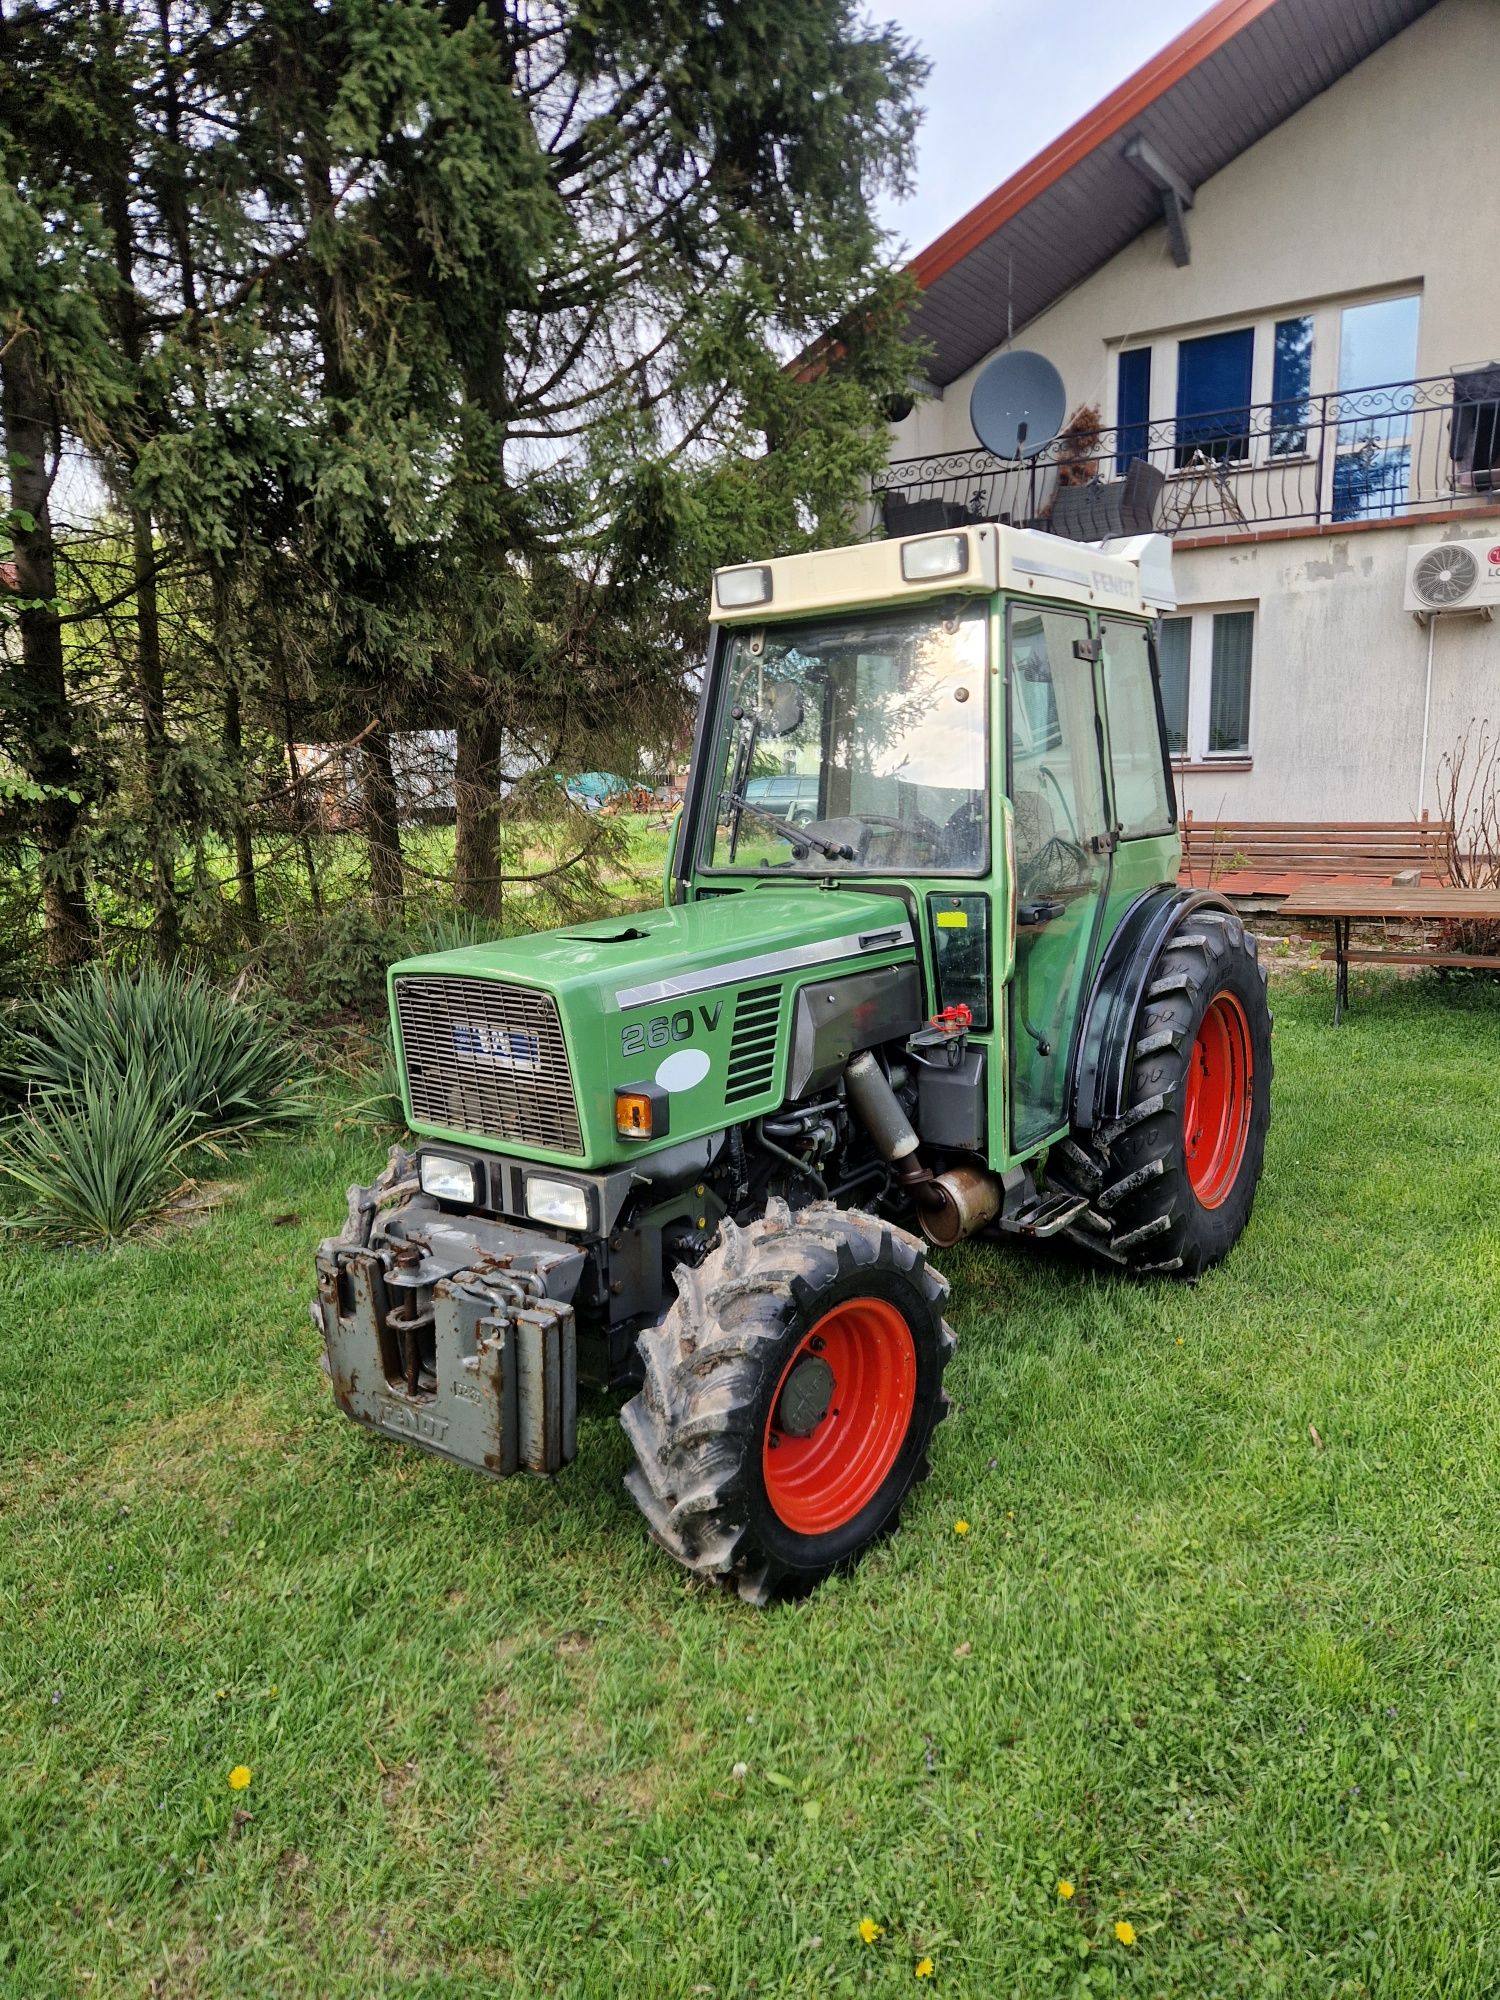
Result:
pixel 635 1114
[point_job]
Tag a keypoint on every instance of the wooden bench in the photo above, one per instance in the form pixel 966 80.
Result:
pixel 1376 903
pixel 1268 859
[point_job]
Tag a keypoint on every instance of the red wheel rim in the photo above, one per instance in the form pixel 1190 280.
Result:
pixel 819 1481
pixel 1216 1113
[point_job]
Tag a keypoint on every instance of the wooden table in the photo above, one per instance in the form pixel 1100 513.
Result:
pixel 1346 903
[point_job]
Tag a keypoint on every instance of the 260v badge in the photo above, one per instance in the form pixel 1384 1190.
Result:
pixel 663 1029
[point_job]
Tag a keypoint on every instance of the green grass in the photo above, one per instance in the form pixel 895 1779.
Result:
pixel 1240 1688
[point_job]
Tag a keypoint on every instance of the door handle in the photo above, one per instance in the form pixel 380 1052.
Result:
pixel 1042 911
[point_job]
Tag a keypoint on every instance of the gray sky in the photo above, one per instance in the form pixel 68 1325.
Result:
pixel 1007 76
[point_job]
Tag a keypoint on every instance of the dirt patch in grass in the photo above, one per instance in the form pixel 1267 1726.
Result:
pixel 191 1451
pixel 193 1203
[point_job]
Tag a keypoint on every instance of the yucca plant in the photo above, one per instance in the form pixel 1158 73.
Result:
pixel 98 1159
pixel 210 1054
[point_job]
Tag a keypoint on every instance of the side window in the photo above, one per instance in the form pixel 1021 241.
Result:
pixel 1056 785
pixel 1143 803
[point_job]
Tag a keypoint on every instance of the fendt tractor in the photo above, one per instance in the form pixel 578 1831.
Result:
pixel 700 1155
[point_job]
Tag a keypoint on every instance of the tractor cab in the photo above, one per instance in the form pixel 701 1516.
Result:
pixel 975 721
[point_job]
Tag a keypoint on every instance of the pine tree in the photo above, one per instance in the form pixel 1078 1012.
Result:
pixel 433 352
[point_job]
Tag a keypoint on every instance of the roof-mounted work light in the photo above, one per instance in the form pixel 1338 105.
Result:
pixel 934 556
pixel 736 588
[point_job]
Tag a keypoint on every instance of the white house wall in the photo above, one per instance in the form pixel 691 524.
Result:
pixel 1381 184
pixel 1338 676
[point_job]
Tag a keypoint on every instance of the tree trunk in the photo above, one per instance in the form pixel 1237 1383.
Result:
pixel 37 690
pixel 152 688
pixel 244 849
pixel 477 796
pixel 117 190
pixel 382 823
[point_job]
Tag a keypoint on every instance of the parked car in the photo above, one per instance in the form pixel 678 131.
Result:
pixel 790 798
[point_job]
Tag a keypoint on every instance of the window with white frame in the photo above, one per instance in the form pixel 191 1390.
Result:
pixel 1251 393
pixel 1205 659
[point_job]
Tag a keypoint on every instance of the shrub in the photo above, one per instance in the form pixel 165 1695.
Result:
pixel 1469 802
pixel 99 1158
pixel 206 1053
pixel 333 966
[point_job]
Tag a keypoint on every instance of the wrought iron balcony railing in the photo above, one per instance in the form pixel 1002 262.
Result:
pixel 1353 455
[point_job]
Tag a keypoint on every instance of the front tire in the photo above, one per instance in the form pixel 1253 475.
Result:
pixel 1172 1181
pixel 789 1398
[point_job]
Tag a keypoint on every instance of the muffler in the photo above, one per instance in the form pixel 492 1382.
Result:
pixel 958 1202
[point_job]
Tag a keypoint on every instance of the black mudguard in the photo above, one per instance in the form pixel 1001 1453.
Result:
pixel 1101 1059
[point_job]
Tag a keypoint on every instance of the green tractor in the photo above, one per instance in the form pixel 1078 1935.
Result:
pixel 701 1155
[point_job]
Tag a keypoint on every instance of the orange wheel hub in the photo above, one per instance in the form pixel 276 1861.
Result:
pixel 841 1412
pixel 1216 1109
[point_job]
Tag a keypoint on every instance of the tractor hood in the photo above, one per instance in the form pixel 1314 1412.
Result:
pixel 521 1045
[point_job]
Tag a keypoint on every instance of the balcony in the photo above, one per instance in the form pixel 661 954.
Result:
pixel 1355 455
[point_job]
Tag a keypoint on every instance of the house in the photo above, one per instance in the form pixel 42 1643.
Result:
pixel 1265 269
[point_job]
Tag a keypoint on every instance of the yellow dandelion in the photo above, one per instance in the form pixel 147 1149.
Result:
pixel 960 1527
pixel 869 1930
pixel 220 1694
pixel 239 1777
pixel 274 1692
pixel 1065 1890
pixel 924 1968
pixel 1125 1932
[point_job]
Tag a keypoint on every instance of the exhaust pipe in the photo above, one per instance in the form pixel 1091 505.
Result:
pixel 879 1110
pixel 950 1206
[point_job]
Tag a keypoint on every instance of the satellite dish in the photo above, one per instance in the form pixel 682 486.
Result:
pixel 1017 405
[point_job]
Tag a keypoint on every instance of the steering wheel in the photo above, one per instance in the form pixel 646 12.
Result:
pixel 925 829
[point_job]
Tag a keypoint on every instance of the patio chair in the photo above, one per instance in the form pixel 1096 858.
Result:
pixel 921 517
pixel 1476 427
pixel 1104 508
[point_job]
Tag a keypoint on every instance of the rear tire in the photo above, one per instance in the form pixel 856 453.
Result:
pixel 789 1398
pixel 1172 1181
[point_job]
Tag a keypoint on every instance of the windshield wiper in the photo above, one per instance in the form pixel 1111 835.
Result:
pixel 835 850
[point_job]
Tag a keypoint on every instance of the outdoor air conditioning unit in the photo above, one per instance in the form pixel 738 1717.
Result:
pixel 1453 576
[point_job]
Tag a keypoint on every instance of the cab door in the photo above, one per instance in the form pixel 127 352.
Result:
pixel 1063 847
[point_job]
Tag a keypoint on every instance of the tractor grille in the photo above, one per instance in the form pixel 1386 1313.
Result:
pixel 488 1059
pixel 752 1046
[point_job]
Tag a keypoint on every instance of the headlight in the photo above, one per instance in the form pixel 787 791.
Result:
pixel 448 1179
pixel 562 1203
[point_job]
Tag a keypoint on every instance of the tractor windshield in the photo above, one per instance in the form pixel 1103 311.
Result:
pixel 855 744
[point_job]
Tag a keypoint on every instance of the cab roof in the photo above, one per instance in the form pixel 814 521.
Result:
pixel 1129 575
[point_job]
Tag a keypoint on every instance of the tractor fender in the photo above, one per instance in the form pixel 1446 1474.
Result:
pixel 1101 1061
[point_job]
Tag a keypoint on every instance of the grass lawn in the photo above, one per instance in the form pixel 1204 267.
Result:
pixel 1221 1647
